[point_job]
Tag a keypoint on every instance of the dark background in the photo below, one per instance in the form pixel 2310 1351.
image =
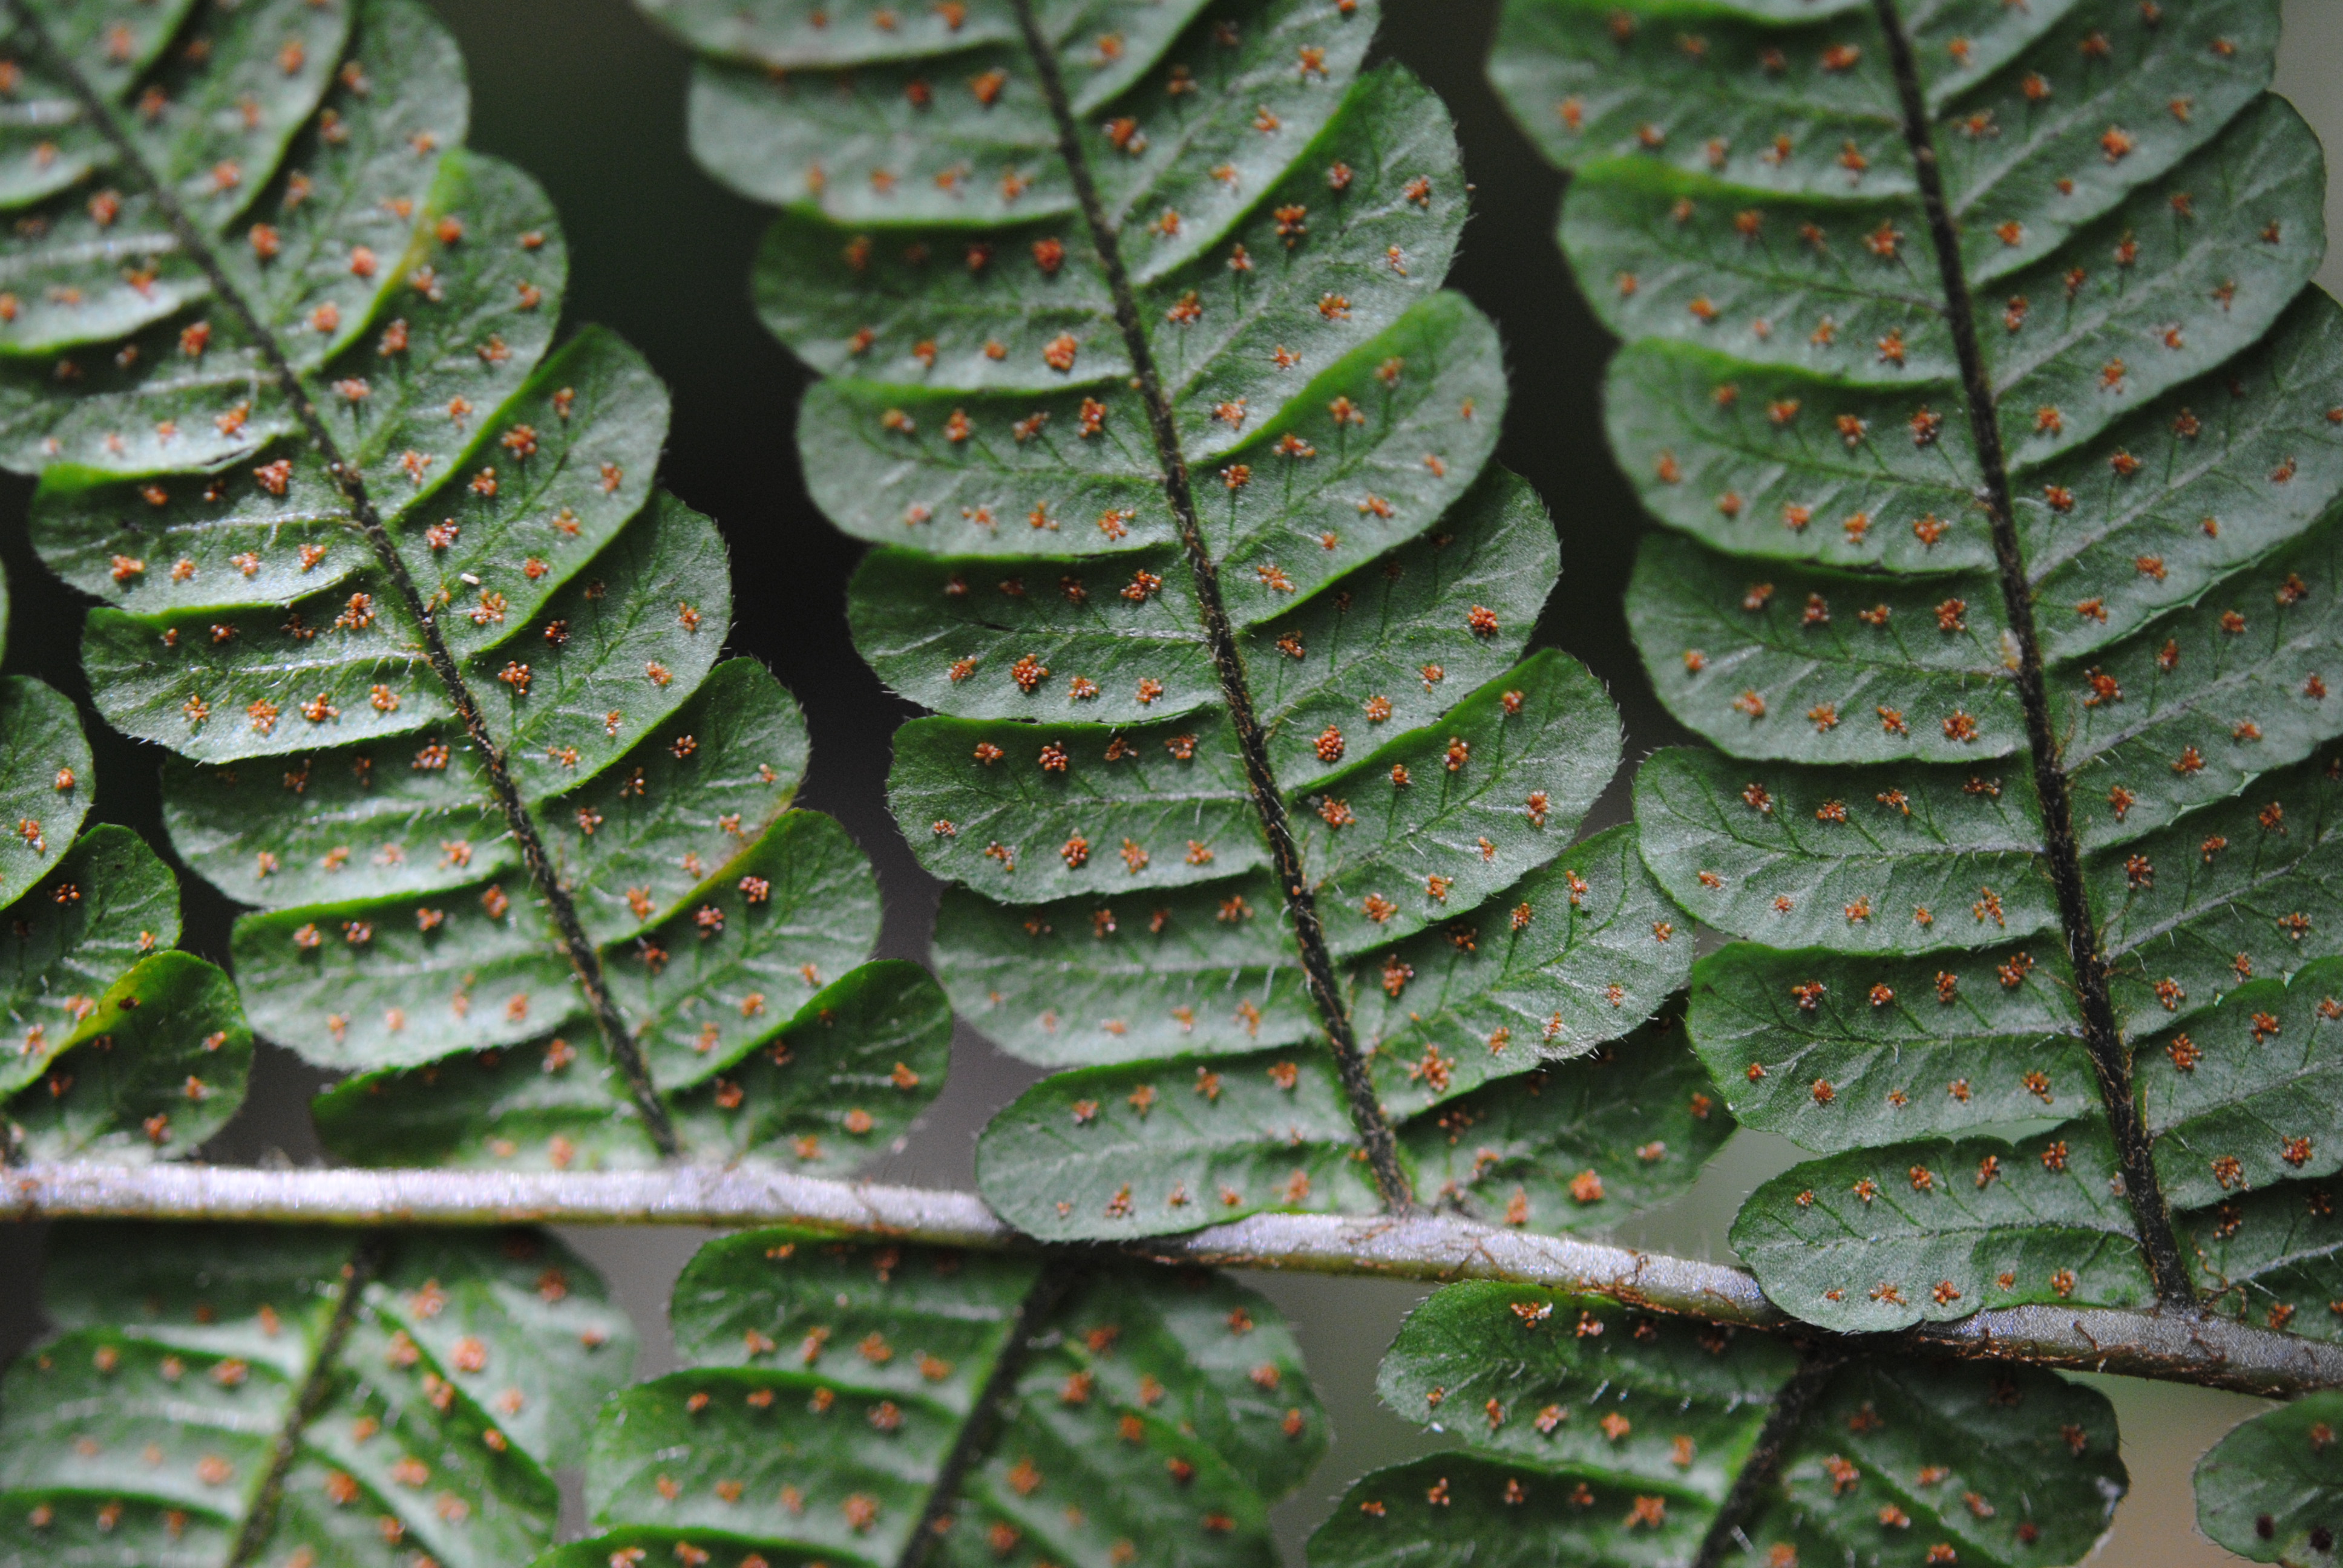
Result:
pixel 589 99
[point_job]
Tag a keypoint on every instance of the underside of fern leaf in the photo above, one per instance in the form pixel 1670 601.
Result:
pixel 2272 1490
pixel 112 1046
pixel 1971 370
pixel 898 1405
pixel 247 1395
pixel 1176 459
pixel 382 563
pixel 1593 1434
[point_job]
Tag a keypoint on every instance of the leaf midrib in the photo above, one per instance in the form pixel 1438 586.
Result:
pixel 1322 978
pixel 979 1429
pixel 363 1263
pixel 2104 1039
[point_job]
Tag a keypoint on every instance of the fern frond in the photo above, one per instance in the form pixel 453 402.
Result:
pixel 2272 1490
pixel 301 1396
pixel 1176 456
pixel 880 1405
pixel 384 566
pixel 2278 1255
pixel 1595 1433
pixel 1973 374
pixel 111 1046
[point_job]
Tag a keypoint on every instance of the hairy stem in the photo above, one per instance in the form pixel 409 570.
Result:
pixel 1763 1466
pixel 2171 1344
pixel 583 958
pixel 976 1434
pixel 2102 1038
pixel 1374 1130
pixel 316 1389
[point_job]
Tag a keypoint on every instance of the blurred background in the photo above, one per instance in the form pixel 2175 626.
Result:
pixel 589 99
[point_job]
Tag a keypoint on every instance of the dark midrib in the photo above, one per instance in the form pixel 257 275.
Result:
pixel 577 946
pixel 1374 1130
pixel 1752 1488
pixel 364 1262
pixel 2102 1038
pixel 977 1431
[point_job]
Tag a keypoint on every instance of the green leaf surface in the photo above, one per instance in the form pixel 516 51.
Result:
pixel 446 973
pixel 2224 896
pixel 1109 1152
pixel 226 102
pixel 478 305
pixel 158 1064
pixel 111 1047
pixel 832 1389
pixel 1174 796
pixel 1450 814
pixel 2208 698
pixel 383 566
pixel 2248 1101
pixel 1532 1386
pixel 1598 1435
pixel 108 902
pixel 1749 459
pixel 1574 1146
pixel 2271 1489
pixel 1163 97
pixel 1102 1152
pixel 1007 380
pixel 404 981
pixel 851 1070
pixel 2249 447
pixel 2275 1257
pixel 255 1398
pixel 1466 595
pixel 333 828
pixel 1197 971
pixel 789 34
pixel 1384 440
pixel 1881 1239
pixel 801 907
pixel 2133 220
pixel 1845 857
pixel 1804 665
pixel 1554 966
pixel 46 145
pixel 46 790
pixel 1479 796
pixel 1364 639
pixel 1837 1053
pixel 929 306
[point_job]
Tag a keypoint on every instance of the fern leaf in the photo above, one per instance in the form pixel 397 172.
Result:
pixel 915 627
pixel 291 1395
pixel 871 1404
pixel 2269 1490
pixel 1890 1048
pixel 45 794
pixel 1595 1433
pixel 158 1064
pixel 868 1050
pixel 384 566
pixel 1777 843
pixel 1571 1146
pixel 2280 1251
pixel 1176 459
pixel 120 1050
pixel 1995 562
pixel 2271 1044
pixel 1921 1231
